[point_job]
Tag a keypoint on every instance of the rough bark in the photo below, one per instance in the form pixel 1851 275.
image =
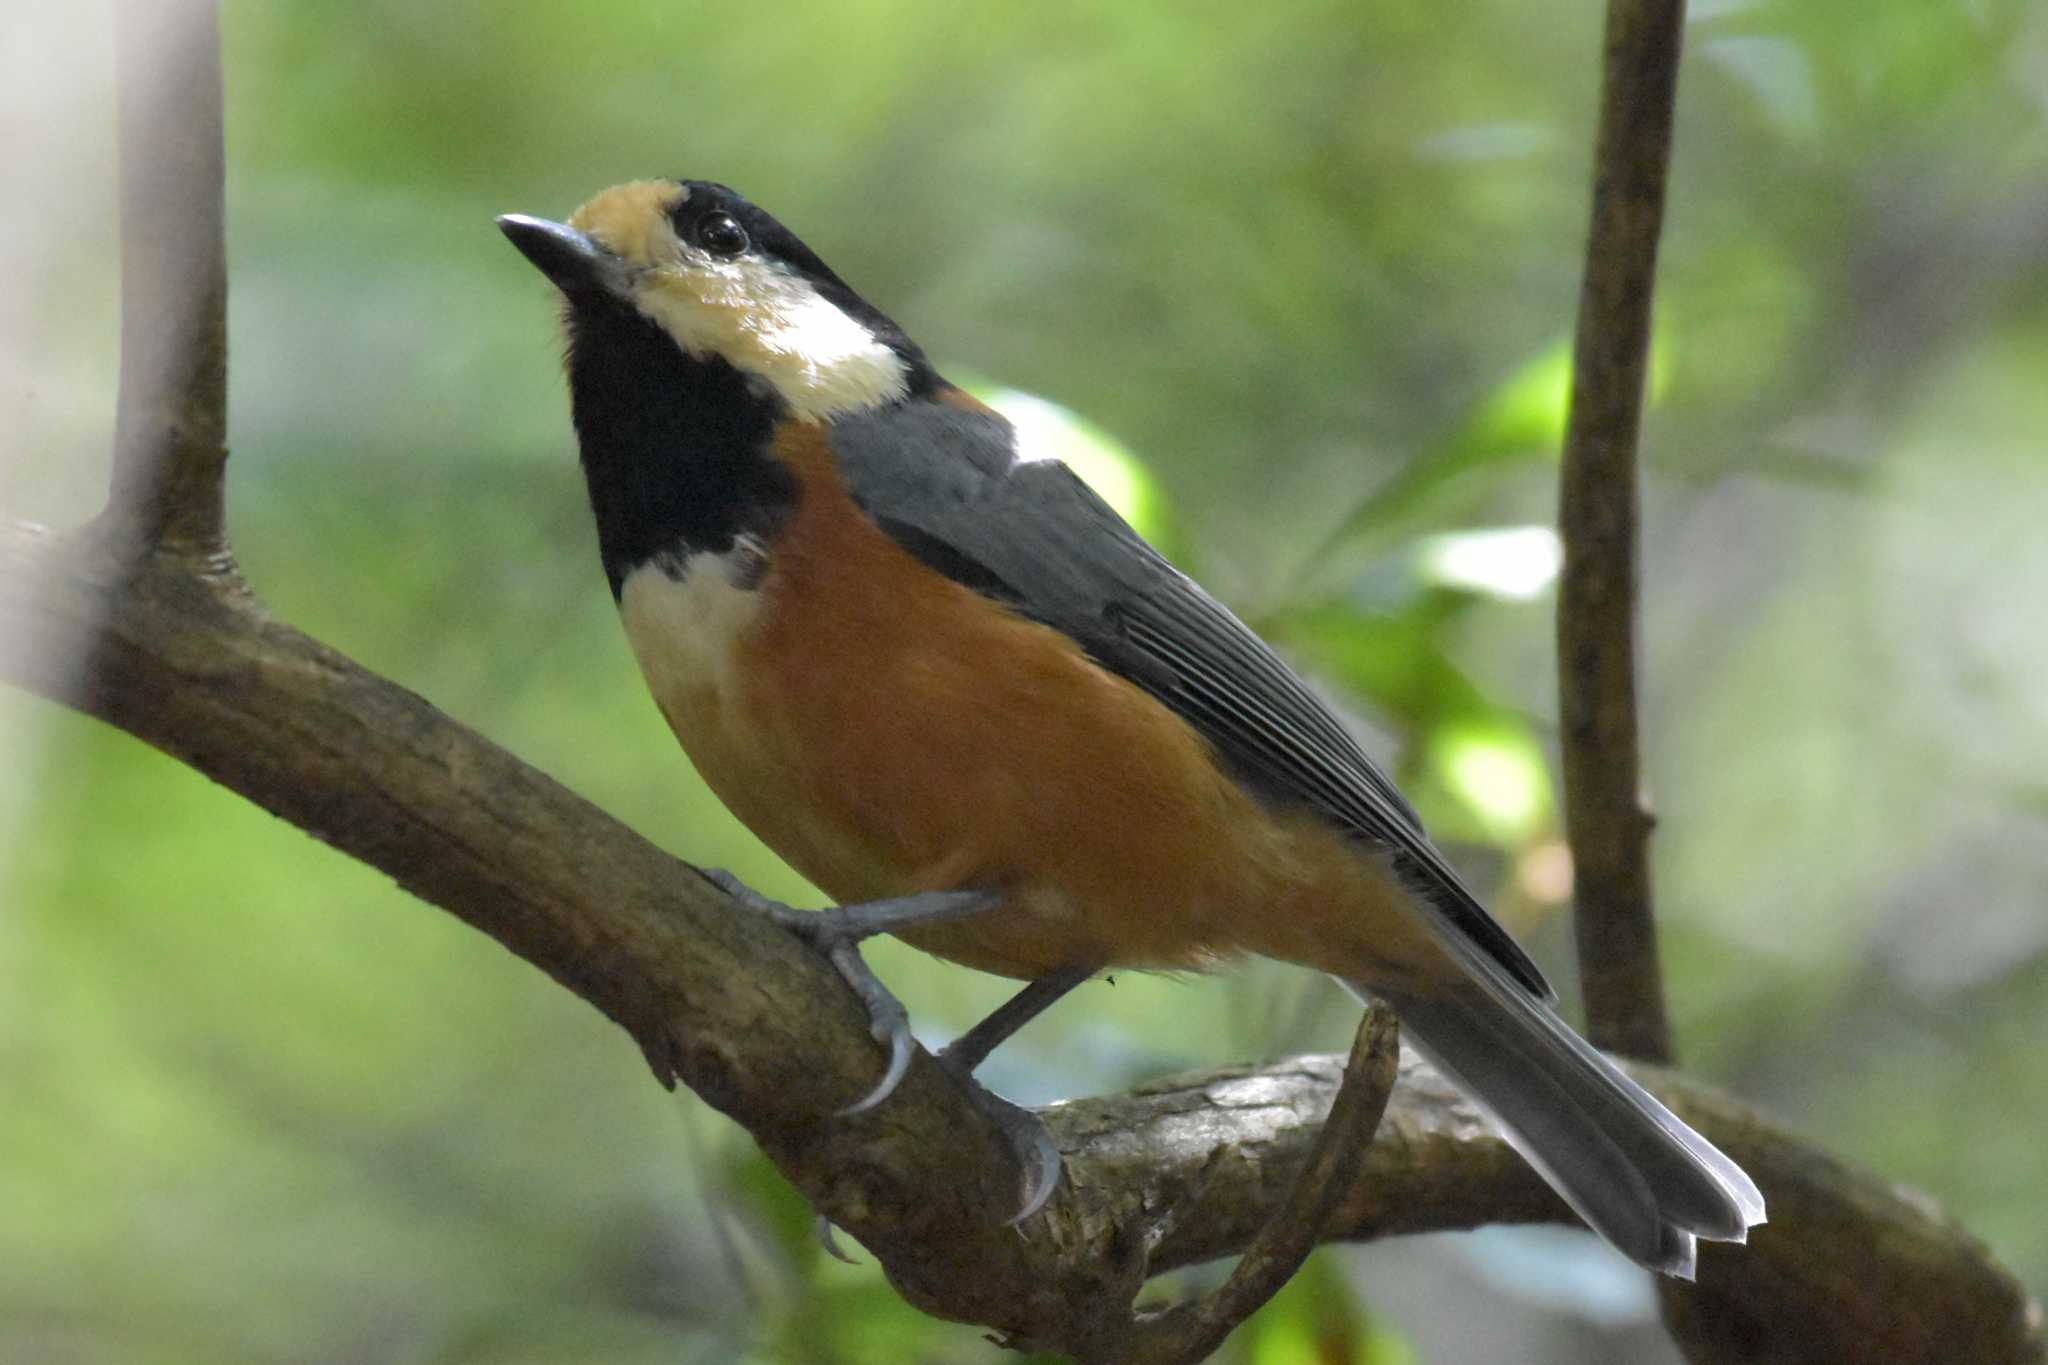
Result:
pixel 1176 1172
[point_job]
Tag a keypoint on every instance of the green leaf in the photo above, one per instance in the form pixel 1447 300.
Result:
pixel 1493 765
pixel 1475 767
pixel 1512 562
pixel 1521 422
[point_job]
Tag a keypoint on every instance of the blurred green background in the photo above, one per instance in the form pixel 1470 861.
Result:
pixel 1312 265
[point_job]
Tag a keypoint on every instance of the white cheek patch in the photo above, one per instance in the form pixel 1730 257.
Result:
pixel 687 616
pixel 771 323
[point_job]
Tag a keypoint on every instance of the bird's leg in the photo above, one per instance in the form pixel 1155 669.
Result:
pixel 967 1052
pixel 836 933
pixel 1026 1132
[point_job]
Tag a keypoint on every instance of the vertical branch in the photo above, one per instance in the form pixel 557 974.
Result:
pixel 170 426
pixel 1596 611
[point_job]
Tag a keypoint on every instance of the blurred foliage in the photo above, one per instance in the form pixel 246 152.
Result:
pixel 1313 263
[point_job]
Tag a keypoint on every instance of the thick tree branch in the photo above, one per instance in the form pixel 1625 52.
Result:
pixel 1850 1268
pixel 756 1024
pixel 1175 1173
pixel 1596 607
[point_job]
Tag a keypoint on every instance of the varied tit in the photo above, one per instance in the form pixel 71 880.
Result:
pixel 942 679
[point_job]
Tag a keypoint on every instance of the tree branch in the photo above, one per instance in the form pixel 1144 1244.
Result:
pixel 1189 1333
pixel 756 1024
pixel 1849 1268
pixel 170 425
pixel 1605 820
pixel 764 1031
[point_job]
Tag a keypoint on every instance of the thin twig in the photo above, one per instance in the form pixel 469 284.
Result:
pixel 1190 1332
pixel 1606 821
pixel 170 430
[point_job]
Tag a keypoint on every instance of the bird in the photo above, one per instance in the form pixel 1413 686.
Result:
pixel 942 679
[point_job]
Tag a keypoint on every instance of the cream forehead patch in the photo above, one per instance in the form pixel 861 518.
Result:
pixel 769 322
pixel 756 313
pixel 632 221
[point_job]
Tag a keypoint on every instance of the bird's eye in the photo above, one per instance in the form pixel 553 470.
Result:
pixel 721 234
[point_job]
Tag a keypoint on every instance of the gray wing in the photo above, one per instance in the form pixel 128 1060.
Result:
pixel 947 485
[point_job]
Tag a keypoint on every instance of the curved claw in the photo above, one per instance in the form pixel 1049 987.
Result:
pixel 1037 1156
pixel 828 1238
pixel 1042 1166
pixel 901 1044
pixel 837 933
pixel 888 1021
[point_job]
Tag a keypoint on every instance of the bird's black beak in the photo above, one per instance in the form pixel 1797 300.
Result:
pixel 570 258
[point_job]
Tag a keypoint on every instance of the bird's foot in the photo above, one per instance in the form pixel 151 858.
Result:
pixel 836 934
pixel 1037 1156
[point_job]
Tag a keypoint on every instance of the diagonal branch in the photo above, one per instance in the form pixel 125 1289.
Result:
pixel 1605 819
pixel 755 1023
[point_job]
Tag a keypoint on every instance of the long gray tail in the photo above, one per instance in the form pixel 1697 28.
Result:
pixel 1629 1166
